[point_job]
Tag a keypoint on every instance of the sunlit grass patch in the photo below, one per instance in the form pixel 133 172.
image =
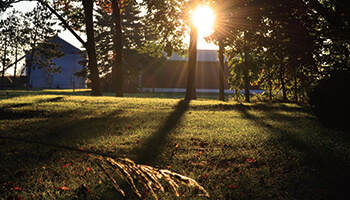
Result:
pixel 234 150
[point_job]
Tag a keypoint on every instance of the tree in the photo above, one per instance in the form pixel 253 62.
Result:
pixel 20 30
pixel 170 20
pixel 5 40
pixel 192 66
pixel 13 34
pixel 74 21
pixel 243 33
pixel 135 35
pixel 76 18
pixel 38 35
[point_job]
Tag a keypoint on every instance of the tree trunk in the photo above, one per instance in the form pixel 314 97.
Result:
pixel 192 66
pixel 295 86
pixel 282 80
pixel 90 48
pixel 221 72
pixel 14 72
pixel 269 82
pixel 246 76
pixel 117 70
pixel 29 71
pixel 3 66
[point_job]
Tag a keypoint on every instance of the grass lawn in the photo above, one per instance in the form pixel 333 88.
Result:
pixel 233 150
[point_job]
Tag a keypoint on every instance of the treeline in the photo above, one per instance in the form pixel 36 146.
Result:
pixel 24 34
pixel 284 47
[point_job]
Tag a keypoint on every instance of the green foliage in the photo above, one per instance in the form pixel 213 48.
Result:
pixel 169 21
pixel 44 56
pixel 135 35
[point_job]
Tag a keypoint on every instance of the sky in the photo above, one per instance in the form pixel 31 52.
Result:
pixel 66 35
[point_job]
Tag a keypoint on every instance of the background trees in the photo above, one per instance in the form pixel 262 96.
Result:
pixel 20 35
pixel 135 34
pixel 41 52
pixel 284 48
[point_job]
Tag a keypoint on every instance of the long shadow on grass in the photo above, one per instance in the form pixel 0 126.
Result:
pixel 330 168
pixel 152 147
pixel 6 113
pixel 73 133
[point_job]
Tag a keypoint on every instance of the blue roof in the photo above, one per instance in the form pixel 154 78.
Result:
pixel 67 48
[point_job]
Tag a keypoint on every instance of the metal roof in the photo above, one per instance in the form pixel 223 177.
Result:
pixel 67 48
pixel 204 55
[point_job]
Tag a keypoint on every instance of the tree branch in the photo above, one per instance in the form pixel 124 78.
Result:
pixel 332 17
pixel 64 22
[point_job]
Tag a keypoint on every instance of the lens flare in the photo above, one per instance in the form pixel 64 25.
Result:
pixel 203 18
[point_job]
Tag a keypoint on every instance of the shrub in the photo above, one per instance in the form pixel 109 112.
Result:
pixel 330 100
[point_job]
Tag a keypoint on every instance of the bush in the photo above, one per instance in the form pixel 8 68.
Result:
pixel 331 100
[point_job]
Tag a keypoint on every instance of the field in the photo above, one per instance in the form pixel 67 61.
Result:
pixel 234 150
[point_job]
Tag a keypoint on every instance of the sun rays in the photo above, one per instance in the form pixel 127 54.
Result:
pixel 203 18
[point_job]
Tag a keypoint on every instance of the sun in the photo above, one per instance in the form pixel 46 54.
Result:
pixel 203 18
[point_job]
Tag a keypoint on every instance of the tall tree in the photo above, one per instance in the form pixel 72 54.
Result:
pixel 19 39
pixel 117 70
pixel 5 35
pixel 135 35
pixel 40 31
pixel 192 66
pixel 245 24
pixel 171 20
pixel 79 18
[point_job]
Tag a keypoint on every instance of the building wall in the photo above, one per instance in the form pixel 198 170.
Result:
pixel 173 74
pixel 69 65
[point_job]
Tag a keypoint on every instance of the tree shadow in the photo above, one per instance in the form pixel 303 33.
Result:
pixel 19 158
pixel 7 114
pixel 327 166
pixel 152 147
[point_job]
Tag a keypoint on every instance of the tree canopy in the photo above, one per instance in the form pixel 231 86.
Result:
pixel 283 47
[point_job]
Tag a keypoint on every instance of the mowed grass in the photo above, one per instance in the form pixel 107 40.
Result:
pixel 234 150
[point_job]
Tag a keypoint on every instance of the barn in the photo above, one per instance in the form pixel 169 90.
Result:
pixel 172 75
pixel 69 65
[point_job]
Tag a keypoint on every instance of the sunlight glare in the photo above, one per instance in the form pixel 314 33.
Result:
pixel 203 18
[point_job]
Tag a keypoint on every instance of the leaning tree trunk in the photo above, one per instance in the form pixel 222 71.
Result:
pixel 192 66
pixel 14 72
pixel 117 70
pixel 221 72
pixel 90 48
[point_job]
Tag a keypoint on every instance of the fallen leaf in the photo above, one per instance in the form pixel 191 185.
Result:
pixel 66 165
pixel 63 188
pixel 17 188
pixel 251 160
pixel 233 186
